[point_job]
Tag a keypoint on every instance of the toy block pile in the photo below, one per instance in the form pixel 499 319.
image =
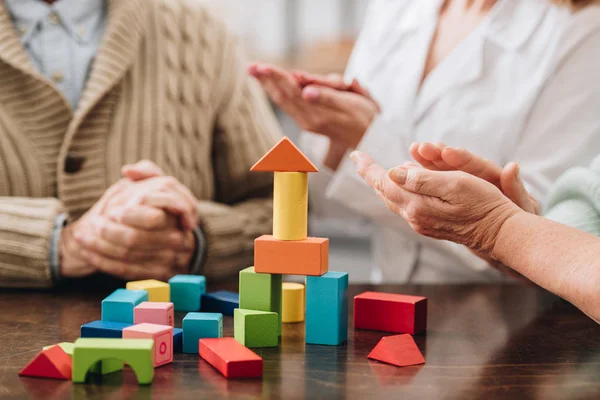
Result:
pixel 265 301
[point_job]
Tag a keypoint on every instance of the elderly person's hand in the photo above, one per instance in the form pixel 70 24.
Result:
pixel 447 205
pixel 439 157
pixel 327 106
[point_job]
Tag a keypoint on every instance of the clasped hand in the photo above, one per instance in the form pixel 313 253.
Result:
pixel 141 228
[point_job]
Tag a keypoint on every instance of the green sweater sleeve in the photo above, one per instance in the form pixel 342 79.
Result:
pixel 575 199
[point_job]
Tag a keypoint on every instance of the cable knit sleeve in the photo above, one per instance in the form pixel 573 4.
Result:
pixel 25 233
pixel 246 128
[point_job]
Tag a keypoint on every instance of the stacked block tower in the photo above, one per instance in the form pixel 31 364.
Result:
pixel 290 251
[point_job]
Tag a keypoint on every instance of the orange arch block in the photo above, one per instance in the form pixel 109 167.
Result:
pixel 284 157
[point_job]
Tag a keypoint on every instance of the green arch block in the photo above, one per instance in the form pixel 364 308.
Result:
pixel 137 353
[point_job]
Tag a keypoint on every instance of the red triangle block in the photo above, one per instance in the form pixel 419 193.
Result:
pixel 51 363
pixel 284 157
pixel 400 350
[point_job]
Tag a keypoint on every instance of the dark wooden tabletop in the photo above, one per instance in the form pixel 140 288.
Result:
pixel 483 342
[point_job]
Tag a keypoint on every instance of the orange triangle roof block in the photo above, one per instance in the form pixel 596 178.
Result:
pixel 284 157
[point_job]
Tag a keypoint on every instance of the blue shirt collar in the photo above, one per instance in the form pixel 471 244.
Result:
pixel 80 18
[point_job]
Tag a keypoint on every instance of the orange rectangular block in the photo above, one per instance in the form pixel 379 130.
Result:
pixel 298 257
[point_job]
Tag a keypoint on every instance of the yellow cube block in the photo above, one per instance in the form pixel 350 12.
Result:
pixel 292 302
pixel 157 291
pixel 290 205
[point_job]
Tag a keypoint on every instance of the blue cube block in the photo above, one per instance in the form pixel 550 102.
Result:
pixel 186 291
pixel 197 326
pixel 118 307
pixel 223 302
pixel 103 329
pixel 327 309
pixel 177 340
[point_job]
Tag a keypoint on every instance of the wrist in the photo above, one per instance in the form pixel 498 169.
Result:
pixel 504 234
pixel 335 155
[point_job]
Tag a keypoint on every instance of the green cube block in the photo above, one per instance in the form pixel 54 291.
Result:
pixel 256 328
pixel 137 353
pixel 261 292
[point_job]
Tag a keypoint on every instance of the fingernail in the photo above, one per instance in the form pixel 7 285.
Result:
pixel 311 93
pixel 398 175
pixel 354 157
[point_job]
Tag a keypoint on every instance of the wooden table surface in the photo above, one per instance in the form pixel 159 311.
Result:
pixel 483 342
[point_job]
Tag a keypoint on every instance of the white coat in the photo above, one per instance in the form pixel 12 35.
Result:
pixel 524 86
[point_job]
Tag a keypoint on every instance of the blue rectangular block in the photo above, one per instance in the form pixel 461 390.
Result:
pixel 103 329
pixel 118 307
pixel 327 309
pixel 197 326
pixel 186 291
pixel 223 302
pixel 177 340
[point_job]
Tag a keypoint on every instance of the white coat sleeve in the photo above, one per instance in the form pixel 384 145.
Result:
pixel 563 128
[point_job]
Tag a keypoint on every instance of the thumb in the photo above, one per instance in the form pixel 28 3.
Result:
pixel 513 187
pixel 141 170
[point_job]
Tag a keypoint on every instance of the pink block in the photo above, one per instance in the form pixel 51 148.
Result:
pixel 162 336
pixel 154 313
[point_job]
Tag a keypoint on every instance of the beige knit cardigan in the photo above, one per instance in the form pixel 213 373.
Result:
pixel 169 85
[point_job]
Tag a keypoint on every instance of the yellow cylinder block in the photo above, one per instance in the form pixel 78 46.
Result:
pixel 290 205
pixel 292 302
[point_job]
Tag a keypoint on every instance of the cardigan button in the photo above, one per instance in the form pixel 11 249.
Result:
pixel 73 163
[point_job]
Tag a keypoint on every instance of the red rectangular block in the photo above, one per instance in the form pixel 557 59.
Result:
pixel 298 257
pixel 390 312
pixel 231 358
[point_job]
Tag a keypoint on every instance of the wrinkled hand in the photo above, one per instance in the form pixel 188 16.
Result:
pixel 447 205
pixel 326 106
pixel 439 157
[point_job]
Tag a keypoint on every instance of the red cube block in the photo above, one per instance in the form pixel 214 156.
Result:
pixel 231 358
pixel 390 312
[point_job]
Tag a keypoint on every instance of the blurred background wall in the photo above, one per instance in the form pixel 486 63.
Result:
pixel 315 36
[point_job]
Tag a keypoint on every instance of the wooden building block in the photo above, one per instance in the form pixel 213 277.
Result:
pixel 198 326
pixel 137 353
pixel 161 313
pixel 157 290
pixel 260 292
pixel 50 363
pixel 290 206
pixel 103 329
pixel 390 312
pixel 399 350
pixel 230 358
pixel 118 307
pixel 223 302
pixel 177 340
pixel 187 291
pixel 162 335
pixel 292 302
pixel 327 309
pixel 101 367
pixel 66 346
pixel 256 328
pixel 303 257
pixel 284 157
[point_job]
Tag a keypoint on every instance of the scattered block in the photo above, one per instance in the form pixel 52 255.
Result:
pixel 260 292
pixel 66 346
pixel 390 312
pixel 118 307
pixel 284 157
pixel 399 350
pixel 327 309
pixel 198 326
pixel 101 367
pixel 302 257
pixel 292 302
pixel 162 335
pixel 177 340
pixel 290 206
pixel 230 358
pixel 256 328
pixel 161 313
pixel 50 363
pixel 137 353
pixel 103 329
pixel 223 302
pixel 157 290
pixel 187 291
